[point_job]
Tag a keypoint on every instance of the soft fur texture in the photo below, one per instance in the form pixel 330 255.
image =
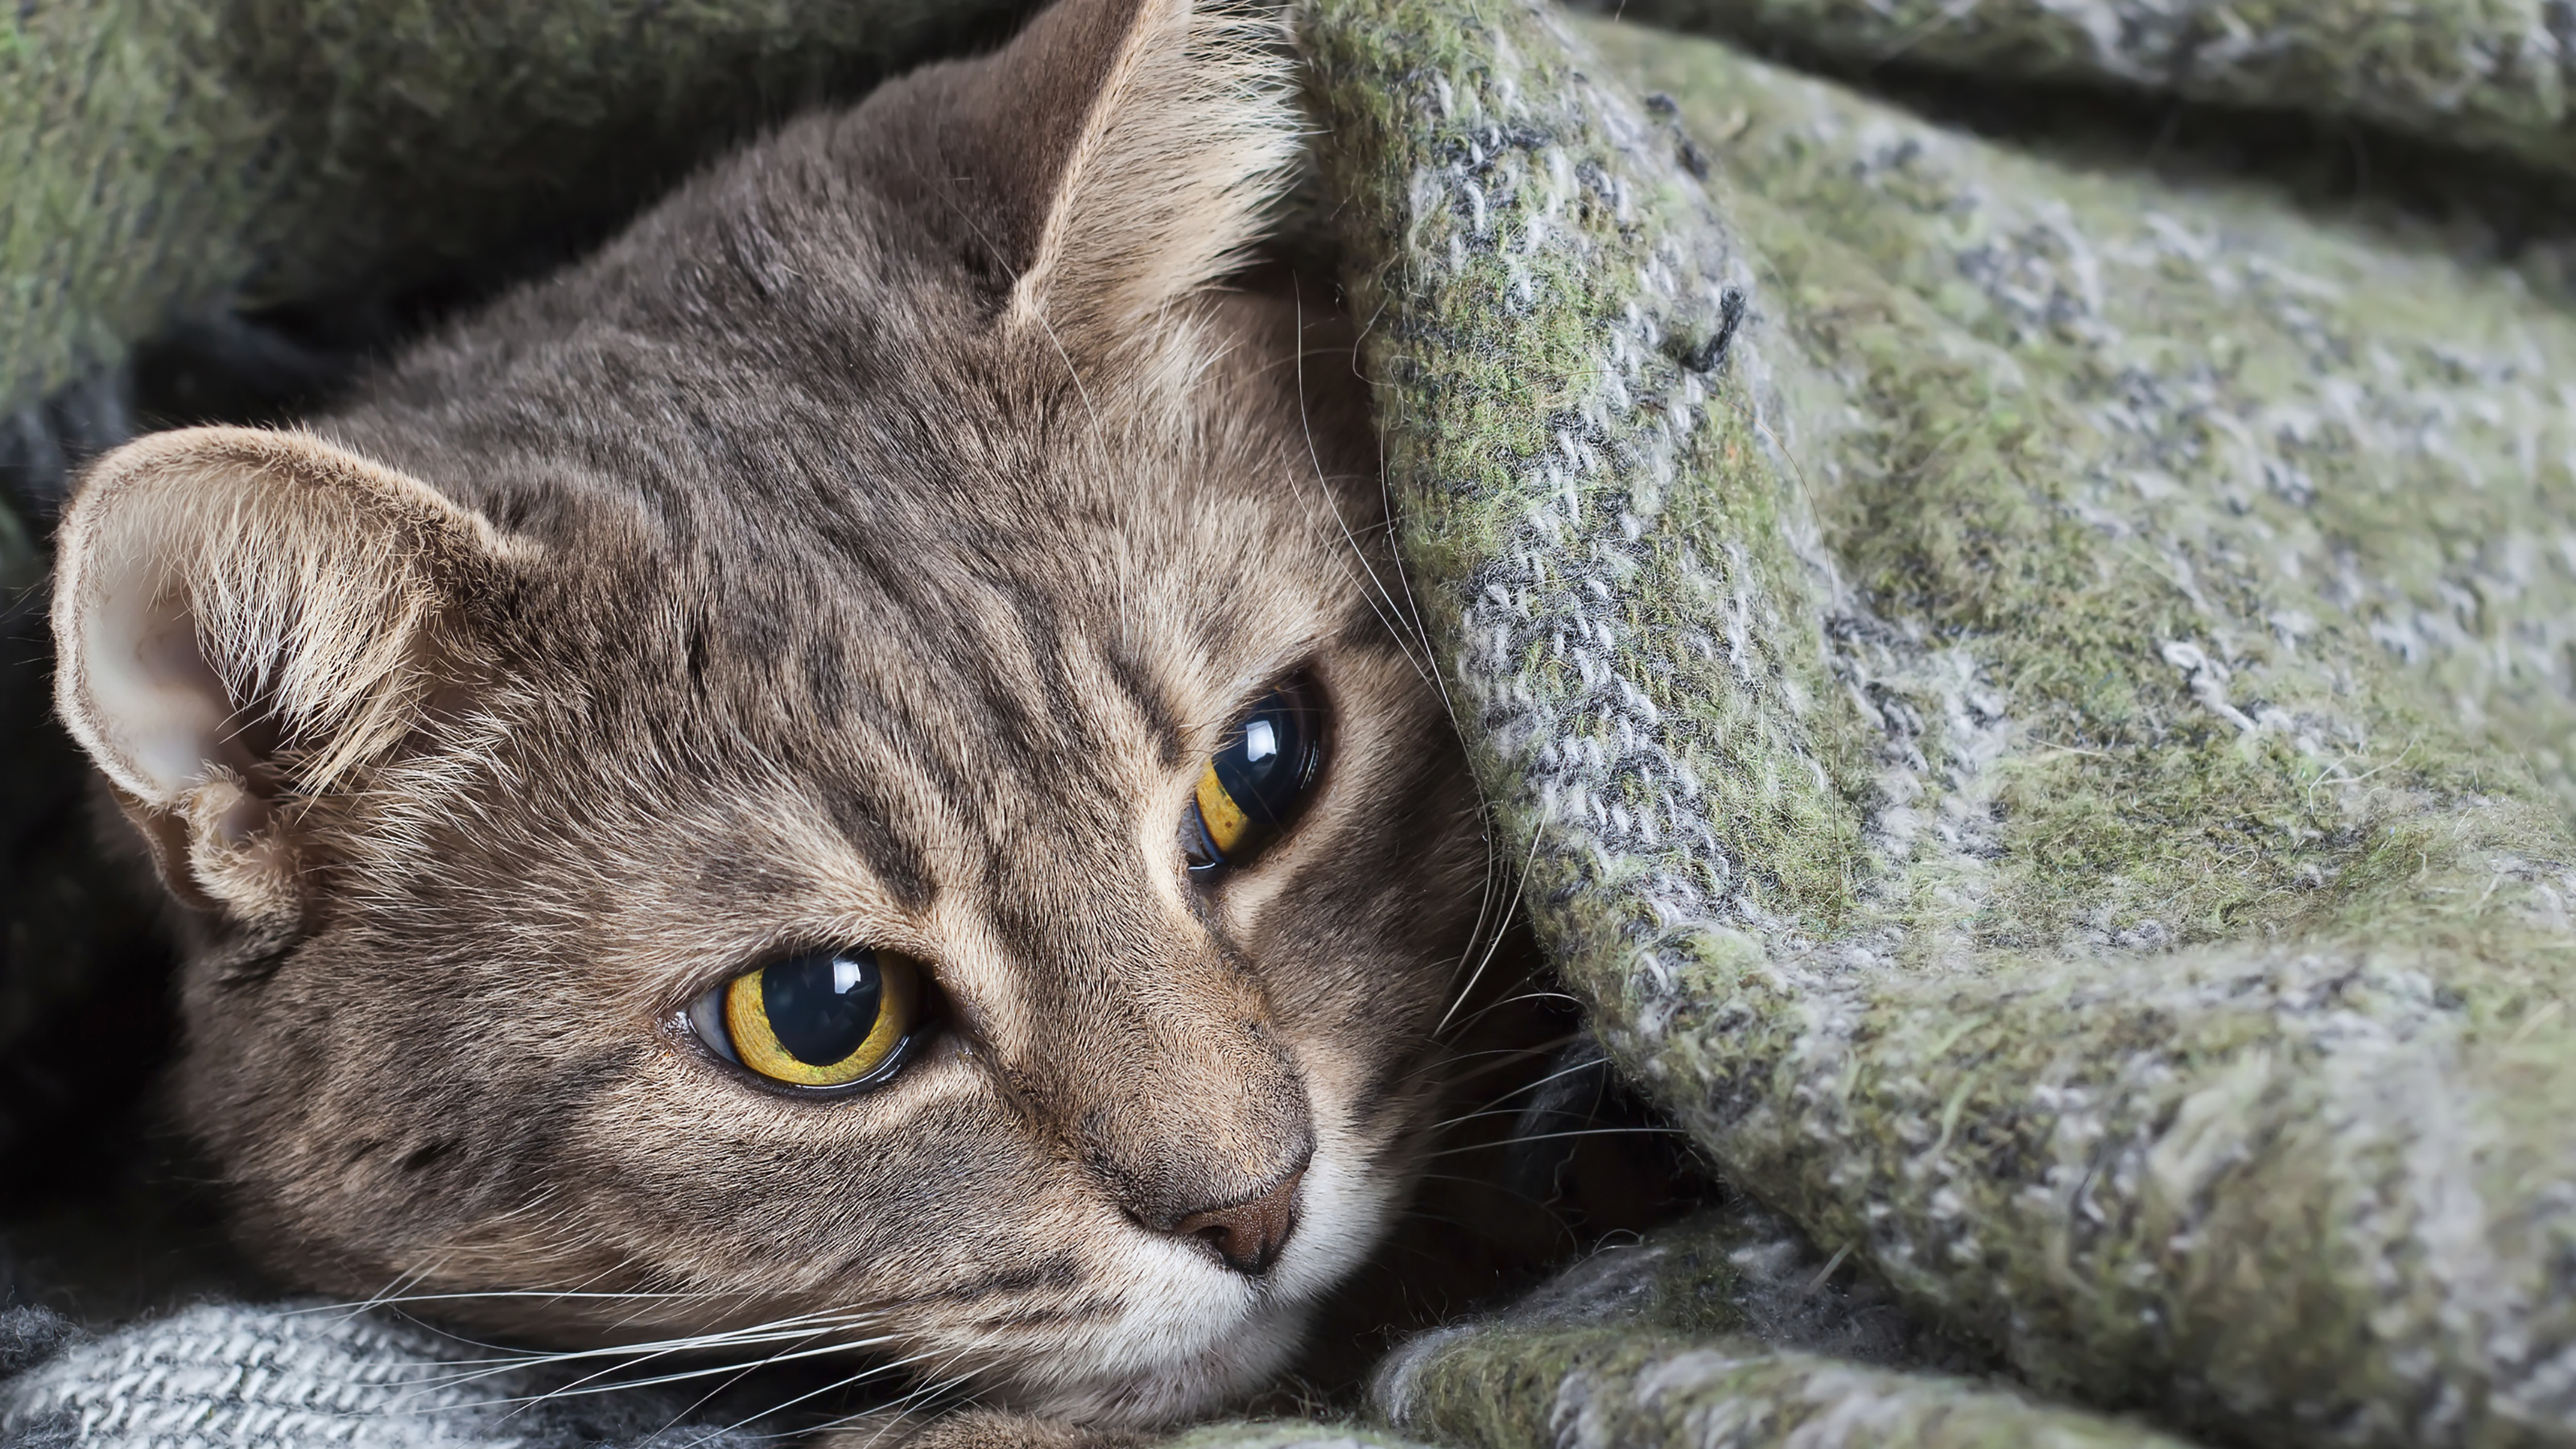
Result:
pixel 869 547
pixel 2025 737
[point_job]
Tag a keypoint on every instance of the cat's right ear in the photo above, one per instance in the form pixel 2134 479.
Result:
pixel 1127 153
pixel 243 619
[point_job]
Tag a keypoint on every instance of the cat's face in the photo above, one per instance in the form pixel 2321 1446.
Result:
pixel 697 796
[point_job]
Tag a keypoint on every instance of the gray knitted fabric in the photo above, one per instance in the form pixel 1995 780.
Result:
pixel 1989 804
pixel 266 1378
pixel 234 1377
pixel 1289 1434
pixel 2036 704
pixel 1722 1333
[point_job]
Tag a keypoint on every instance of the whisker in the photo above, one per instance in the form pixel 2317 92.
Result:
pixel 862 1376
pixel 747 1370
pixel 1509 1055
pixel 1480 1013
pixel 1484 887
pixel 1495 1109
pixel 1555 1214
pixel 1438 680
pixel 787 1330
pixel 1554 1136
pixel 591 1383
pixel 402 1300
pixel 893 1409
pixel 377 1299
pixel 1395 559
pixel 1470 988
pixel 1324 489
pixel 1371 597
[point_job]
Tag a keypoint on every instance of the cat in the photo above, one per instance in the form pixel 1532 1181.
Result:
pixel 840 774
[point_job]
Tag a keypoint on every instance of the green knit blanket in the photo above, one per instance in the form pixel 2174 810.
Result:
pixel 2032 697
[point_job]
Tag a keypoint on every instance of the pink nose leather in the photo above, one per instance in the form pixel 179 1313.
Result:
pixel 1248 1235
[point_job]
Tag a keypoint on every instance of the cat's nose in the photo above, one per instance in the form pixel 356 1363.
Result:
pixel 1248 1235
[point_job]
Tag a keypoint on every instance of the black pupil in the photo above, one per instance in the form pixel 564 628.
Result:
pixel 1264 767
pixel 822 1005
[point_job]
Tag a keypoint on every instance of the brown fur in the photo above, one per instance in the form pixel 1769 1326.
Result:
pixel 869 547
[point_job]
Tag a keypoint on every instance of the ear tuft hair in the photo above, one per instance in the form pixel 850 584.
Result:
pixel 1176 134
pixel 259 610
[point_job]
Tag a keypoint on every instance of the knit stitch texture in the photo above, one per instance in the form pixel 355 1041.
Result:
pixel 2033 700
pixel 236 1376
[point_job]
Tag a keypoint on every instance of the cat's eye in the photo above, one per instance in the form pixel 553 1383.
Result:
pixel 1252 787
pixel 832 1018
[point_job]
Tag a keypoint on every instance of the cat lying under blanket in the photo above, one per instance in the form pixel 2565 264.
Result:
pixel 840 764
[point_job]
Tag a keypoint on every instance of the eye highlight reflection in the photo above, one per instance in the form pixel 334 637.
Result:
pixel 1252 787
pixel 841 1017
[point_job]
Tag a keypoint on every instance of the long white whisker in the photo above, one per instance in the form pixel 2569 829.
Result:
pixel 862 1376
pixel 777 1358
pixel 1439 681
pixel 1495 1107
pixel 1413 609
pixel 893 1409
pixel 405 1300
pixel 1509 1055
pixel 592 1383
pixel 1480 1013
pixel 1324 488
pixel 784 1330
pixel 1554 1136
pixel 1518 888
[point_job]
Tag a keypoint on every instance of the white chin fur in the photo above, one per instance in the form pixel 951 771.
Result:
pixel 1195 1334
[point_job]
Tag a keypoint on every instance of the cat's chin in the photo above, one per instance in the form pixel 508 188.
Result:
pixel 1225 1372
pixel 1166 1361
pixel 1195 1336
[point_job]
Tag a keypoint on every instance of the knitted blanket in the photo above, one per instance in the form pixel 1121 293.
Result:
pixel 2029 677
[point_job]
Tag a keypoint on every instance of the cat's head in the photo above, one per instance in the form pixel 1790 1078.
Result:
pixel 838 767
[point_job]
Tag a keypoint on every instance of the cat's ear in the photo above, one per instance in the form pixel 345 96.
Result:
pixel 243 619
pixel 1136 147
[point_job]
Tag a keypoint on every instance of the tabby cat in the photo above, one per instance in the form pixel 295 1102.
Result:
pixel 835 770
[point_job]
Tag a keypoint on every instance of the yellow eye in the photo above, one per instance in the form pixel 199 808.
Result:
pixel 822 1019
pixel 1253 786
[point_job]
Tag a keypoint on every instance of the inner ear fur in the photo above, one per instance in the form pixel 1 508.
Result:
pixel 1135 149
pixel 243 618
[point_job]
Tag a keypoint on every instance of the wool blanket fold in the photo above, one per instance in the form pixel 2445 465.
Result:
pixel 2032 699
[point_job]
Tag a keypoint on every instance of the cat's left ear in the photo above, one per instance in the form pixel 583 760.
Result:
pixel 1137 146
pixel 244 621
